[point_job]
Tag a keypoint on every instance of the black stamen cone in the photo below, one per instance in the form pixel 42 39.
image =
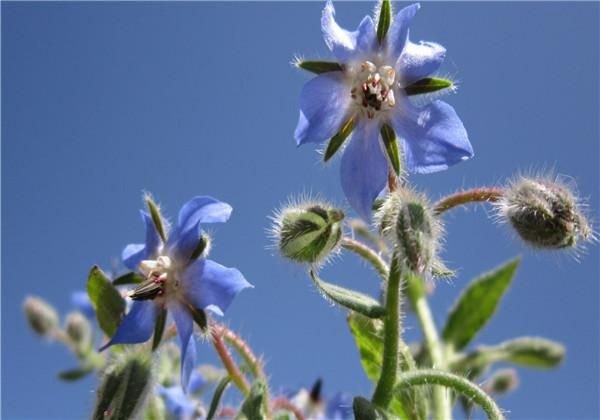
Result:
pixel 315 391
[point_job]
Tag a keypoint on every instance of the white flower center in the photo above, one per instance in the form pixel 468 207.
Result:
pixel 373 88
pixel 161 279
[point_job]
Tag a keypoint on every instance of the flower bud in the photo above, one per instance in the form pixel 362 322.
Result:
pixel 502 381
pixel 78 329
pixel 405 219
pixel 308 233
pixel 41 316
pixel 544 213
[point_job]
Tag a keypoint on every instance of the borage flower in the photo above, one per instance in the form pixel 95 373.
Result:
pixel 366 94
pixel 178 277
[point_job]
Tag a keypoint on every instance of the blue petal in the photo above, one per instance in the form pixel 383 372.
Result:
pixel 202 209
pixel 365 38
pixel 364 168
pixel 419 61
pixel 137 326
pixel 434 137
pixel 176 402
pixel 339 407
pixel 197 381
pixel 212 286
pixel 397 35
pixel 133 254
pixel 341 42
pixel 324 104
pixel 185 327
pixel 81 301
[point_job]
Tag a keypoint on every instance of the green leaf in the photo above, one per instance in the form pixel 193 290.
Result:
pixel 74 374
pixel 385 19
pixel 129 278
pixel 219 390
pixel 349 299
pixel 391 147
pixel 427 85
pixel 364 410
pixel 156 217
pixel 477 304
pixel 159 328
pixel 319 67
pixel 252 407
pixel 107 301
pixel 338 139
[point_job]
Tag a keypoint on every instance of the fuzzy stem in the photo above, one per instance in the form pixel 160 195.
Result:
pixel 285 404
pixel 368 254
pixel 232 368
pixel 392 180
pixel 384 391
pixel 243 349
pixel 457 383
pixel 416 294
pixel 469 196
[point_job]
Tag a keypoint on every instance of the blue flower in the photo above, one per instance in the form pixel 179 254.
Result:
pixel 179 278
pixel 366 93
pixel 178 403
pixel 339 407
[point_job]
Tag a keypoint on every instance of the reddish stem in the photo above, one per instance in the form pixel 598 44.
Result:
pixel 232 368
pixel 469 196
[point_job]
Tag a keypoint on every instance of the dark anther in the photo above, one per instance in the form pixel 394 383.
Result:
pixel 148 290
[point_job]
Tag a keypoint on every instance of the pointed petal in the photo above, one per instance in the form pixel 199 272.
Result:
pixel 365 38
pixel 211 286
pixel 185 327
pixel 419 61
pixel 324 103
pixel 397 35
pixel 133 254
pixel 137 326
pixel 364 168
pixel 340 41
pixel 434 137
pixel 152 236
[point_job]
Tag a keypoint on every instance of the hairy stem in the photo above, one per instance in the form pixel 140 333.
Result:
pixel 455 382
pixel 243 349
pixel 368 254
pixel 416 294
pixel 230 365
pixel 469 196
pixel 384 391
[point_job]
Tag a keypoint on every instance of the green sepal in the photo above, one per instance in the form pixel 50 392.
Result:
pixel 106 300
pixel 319 67
pixel 391 147
pixel 129 278
pixel 427 85
pixel 338 139
pixel 199 317
pixel 477 304
pixel 159 328
pixel 349 299
pixel 75 374
pixel 385 19
pixel 203 244
pixel 156 218
pixel 364 410
pixel 254 404
pixel 216 399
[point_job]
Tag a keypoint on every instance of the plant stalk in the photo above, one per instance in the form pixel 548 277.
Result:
pixel 469 196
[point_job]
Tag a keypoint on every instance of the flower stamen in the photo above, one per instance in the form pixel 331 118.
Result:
pixel 372 89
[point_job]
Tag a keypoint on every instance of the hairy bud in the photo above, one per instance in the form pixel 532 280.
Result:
pixel 545 213
pixel 41 316
pixel 405 219
pixel 78 329
pixel 502 381
pixel 309 232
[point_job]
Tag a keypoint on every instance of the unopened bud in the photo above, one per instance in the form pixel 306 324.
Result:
pixel 78 329
pixel 41 316
pixel 405 219
pixel 308 233
pixel 502 381
pixel 544 213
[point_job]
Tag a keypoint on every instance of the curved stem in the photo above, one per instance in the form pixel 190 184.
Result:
pixel 232 368
pixel 384 391
pixel 243 350
pixel 469 196
pixel 457 383
pixel 368 254
pixel 416 294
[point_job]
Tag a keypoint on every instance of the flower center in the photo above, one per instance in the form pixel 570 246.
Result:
pixel 372 89
pixel 160 278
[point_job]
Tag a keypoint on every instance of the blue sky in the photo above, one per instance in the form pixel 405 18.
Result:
pixel 103 101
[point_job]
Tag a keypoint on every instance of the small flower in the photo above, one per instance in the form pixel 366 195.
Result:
pixel 366 94
pixel 179 277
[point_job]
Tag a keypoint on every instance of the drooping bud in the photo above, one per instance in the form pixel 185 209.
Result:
pixel 78 329
pixel 502 381
pixel 41 316
pixel 405 219
pixel 309 232
pixel 545 213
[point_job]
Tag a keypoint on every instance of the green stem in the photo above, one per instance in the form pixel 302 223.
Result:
pixel 384 391
pixel 469 196
pixel 232 368
pixel 368 254
pixel 416 294
pixel 457 383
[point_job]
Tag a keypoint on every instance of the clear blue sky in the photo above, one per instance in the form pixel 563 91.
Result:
pixel 102 101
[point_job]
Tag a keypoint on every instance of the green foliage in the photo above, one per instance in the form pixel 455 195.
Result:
pixel 75 374
pixel 129 278
pixel 349 299
pixel 159 328
pixel 477 304
pixel 253 405
pixel 319 67
pixel 338 139
pixel 384 21
pixel 364 410
pixel 427 85
pixel 106 299
pixel 219 391
pixel 391 147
